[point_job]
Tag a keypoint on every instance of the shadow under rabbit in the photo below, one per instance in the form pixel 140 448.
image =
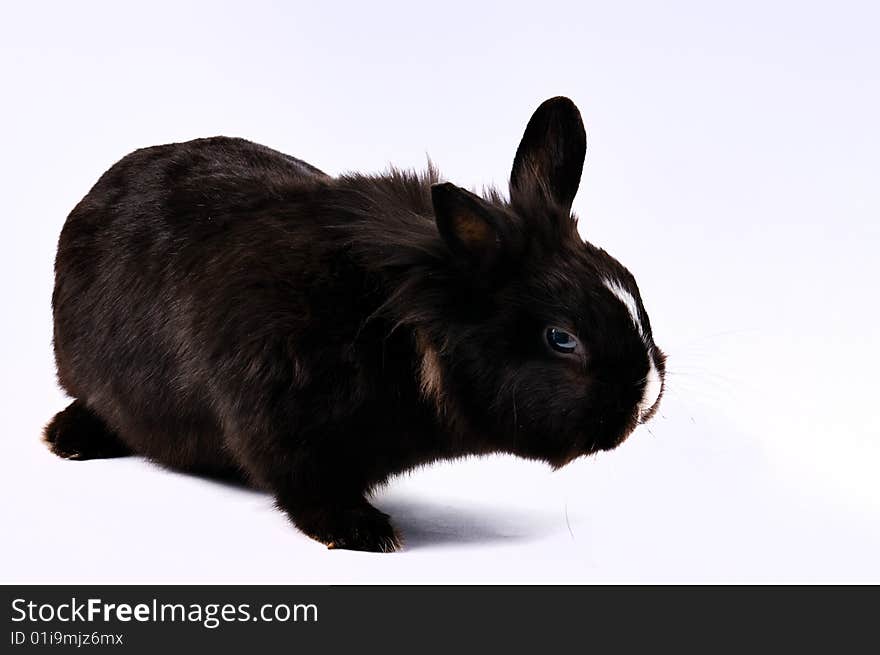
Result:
pixel 425 523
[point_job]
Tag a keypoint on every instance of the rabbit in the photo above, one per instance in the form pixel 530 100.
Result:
pixel 225 309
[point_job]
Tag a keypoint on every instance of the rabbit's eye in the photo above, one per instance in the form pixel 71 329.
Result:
pixel 561 341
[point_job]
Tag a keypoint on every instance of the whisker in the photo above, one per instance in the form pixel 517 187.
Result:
pixel 718 335
pixel 698 371
pixel 515 419
pixel 679 397
pixel 567 522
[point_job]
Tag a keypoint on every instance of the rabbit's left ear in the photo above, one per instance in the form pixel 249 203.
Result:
pixel 550 157
pixel 471 231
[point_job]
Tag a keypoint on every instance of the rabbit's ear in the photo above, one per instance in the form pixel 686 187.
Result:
pixel 467 225
pixel 550 157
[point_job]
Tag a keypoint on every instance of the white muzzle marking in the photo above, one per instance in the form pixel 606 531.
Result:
pixel 653 386
pixel 653 383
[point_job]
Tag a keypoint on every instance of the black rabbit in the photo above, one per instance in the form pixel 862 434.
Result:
pixel 226 309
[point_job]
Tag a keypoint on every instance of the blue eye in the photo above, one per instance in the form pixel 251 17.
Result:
pixel 561 341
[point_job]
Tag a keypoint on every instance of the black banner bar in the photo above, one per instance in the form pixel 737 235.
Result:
pixel 264 619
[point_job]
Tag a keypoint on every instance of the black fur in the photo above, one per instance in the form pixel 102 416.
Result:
pixel 226 309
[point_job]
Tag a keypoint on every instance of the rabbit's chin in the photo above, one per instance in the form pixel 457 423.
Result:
pixel 611 444
pixel 593 447
pixel 613 440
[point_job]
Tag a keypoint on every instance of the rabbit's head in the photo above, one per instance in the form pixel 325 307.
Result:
pixel 543 343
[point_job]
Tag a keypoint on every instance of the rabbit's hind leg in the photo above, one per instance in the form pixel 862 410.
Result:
pixel 78 433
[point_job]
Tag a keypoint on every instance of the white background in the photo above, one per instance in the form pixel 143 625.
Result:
pixel 733 167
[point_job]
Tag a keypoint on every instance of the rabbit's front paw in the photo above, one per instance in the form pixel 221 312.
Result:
pixel 361 527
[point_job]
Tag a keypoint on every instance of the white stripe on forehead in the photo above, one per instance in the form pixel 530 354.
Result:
pixel 615 287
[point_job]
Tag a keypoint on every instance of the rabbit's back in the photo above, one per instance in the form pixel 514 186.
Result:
pixel 164 261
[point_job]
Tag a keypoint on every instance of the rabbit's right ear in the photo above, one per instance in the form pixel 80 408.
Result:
pixel 550 157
